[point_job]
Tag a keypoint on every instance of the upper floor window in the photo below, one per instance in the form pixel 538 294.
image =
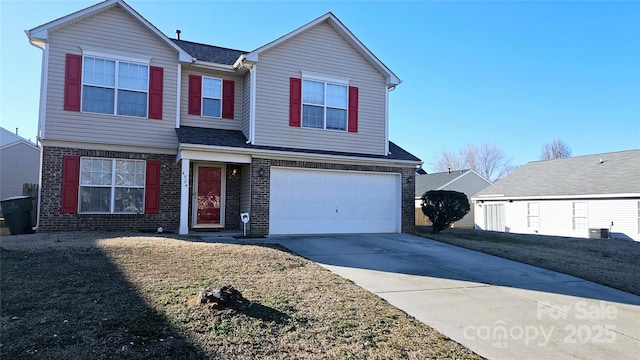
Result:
pixel 211 97
pixel 324 105
pixel 579 216
pixel 112 185
pixel 114 87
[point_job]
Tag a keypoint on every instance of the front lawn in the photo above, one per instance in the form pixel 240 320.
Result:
pixel 110 296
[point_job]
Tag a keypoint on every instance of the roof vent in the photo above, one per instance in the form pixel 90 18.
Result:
pixel 601 161
pixel 178 34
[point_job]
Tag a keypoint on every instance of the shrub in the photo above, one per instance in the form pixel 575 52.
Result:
pixel 444 207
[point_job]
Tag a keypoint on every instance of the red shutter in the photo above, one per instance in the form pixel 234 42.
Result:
pixel 228 89
pixel 152 188
pixel 72 82
pixel 156 82
pixel 195 94
pixel 70 183
pixel 295 101
pixel 353 109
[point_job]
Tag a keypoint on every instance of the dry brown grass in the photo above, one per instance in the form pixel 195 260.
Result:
pixel 613 263
pixel 87 295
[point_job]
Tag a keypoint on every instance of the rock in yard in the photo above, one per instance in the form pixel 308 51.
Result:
pixel 226 296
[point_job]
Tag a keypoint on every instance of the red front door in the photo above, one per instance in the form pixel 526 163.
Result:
pixel 209 198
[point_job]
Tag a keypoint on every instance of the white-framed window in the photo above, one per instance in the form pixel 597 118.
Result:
pixel 533 215
pixel 111 86
pixel 579 216
pixel 324 105
pixel 211 97
pixel 112 185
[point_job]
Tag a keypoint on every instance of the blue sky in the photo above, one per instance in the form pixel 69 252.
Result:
pixel 510 73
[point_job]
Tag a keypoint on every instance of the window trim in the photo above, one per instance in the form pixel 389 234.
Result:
pixel 202 96
pixel 112 187
pixel 638 217
pixel 325 82
pixel 117 59
pixel 531 216
pixel 574 217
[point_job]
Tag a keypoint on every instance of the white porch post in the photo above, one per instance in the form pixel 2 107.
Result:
pixel 184 198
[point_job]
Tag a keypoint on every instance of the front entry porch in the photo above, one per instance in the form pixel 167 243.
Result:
pixel 211 191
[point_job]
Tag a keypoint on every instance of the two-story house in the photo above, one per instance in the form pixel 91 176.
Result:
pixel 139 131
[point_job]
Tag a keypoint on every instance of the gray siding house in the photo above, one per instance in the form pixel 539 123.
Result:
pixel 467 182
pixel 19 163
pixel 139 130
pixel 584 196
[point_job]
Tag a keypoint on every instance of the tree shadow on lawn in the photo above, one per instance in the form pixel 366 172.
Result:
pixel 76 304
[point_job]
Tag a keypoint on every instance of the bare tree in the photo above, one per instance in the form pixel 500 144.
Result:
pixel 449 161
pixel 557 149
pixel 487 159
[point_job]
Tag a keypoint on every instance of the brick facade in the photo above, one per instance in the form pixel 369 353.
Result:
pixel 51 219
pixel 232 199
pixel 260 188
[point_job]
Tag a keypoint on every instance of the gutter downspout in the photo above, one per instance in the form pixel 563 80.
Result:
pixel 241 63
pixel 252 106
pixel 179 85
pixel 42 114
pixel 386 119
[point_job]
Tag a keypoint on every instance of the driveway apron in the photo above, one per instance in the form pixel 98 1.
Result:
pixel 498 308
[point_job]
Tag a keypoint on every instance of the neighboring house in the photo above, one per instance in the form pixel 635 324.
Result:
pixel 582 196
pixel 468 182
pixel 19 163
pixel 139 130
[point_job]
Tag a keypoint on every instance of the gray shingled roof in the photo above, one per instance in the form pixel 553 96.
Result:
pixel 435 181
pixel 210 53
pixel 236 139
pixel 599 174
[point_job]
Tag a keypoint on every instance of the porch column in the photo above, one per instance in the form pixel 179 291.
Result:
pixel 184 198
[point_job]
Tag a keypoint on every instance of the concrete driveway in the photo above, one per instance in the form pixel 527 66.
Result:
pixel 498 308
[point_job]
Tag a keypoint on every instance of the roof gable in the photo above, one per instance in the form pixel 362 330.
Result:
pixel 438 181
pixel 615 173
pixel 391 79
pixel 39 35
pixel 8 139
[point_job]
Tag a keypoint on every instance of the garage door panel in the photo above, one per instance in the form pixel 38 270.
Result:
pixel 305 201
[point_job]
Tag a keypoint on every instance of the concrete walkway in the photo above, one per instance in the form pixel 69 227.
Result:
pixel 498 308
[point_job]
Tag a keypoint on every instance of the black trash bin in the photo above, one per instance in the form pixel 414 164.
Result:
pixel 17 214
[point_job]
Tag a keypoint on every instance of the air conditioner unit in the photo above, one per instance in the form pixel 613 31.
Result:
pixel 602 233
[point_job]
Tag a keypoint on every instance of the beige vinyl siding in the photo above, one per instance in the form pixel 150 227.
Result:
pixel 111 32
pixel 246 105
pixel 209 122
pixel 332 57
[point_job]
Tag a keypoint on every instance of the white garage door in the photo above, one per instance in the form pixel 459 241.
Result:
pixel 310 201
